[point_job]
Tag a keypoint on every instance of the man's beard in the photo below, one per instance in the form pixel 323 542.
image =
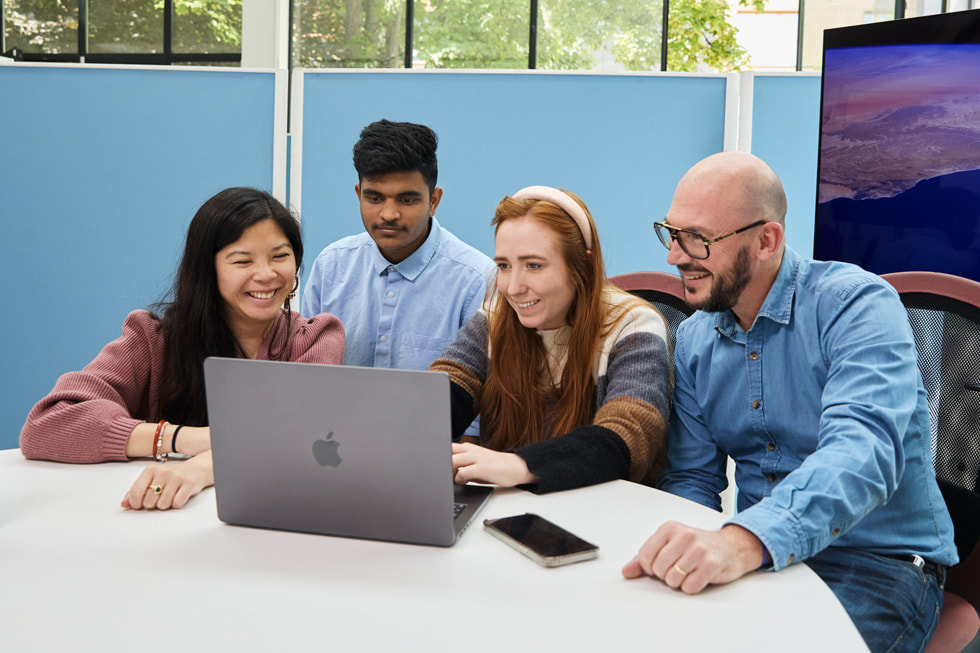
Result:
pixel 726 288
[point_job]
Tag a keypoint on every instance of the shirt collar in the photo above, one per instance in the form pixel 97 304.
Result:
pixel 778 306
pixel 412 266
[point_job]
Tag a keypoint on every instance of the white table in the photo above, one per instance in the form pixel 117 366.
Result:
pixel 79 573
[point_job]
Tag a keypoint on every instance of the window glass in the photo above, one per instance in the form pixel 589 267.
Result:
pixel 208 26
pixel 702 38
pixel 44 27
pixel 769 36
pixel 125 26
pixel 349 33
pixel 915 8
pixel 819 15
pixel 601 35
pixel 471 34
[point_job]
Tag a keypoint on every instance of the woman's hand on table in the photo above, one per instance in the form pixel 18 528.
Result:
pixel 472 462
pixel 165 486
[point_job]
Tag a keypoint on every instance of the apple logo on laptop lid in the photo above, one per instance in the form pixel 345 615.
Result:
pixel 325 451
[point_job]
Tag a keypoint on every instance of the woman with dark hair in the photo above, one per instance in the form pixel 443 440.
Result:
pixel 143 395
pixel 569 374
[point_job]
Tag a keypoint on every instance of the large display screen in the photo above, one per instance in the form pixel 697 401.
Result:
pixel 899 170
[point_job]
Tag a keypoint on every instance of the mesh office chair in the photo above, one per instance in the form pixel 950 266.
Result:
pixel 944 312
pixel 665 291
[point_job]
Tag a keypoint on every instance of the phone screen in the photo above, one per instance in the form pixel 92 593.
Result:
pixel 541 536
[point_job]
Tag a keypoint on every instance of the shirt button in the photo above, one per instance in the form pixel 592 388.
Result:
pixel 756 404
pixel 836 531
pixel 384 338
pixel 771 446
pixel 391 294
pixel 753 355
pixel 790 559
pixel 771 478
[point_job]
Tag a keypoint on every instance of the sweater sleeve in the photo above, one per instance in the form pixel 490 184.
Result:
pixel 89 414
pixel 586 455
pixel 465 360
pixel 627 437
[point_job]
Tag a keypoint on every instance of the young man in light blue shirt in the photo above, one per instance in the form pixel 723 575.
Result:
pixel 803 372
pixel 405 286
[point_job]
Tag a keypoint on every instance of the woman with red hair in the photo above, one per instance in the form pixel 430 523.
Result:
pixel 569 374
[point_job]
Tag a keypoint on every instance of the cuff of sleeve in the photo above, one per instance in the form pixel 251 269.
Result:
pixel 780 534
pixel 586 455
pixel 116 436
pixel 766 558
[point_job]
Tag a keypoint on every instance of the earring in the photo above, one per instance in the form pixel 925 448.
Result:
pixel 292 293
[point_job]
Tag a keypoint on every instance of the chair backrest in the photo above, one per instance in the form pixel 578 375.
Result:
pixel 944 311
pixel 665 291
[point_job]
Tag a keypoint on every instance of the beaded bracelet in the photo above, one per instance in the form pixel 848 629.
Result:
pixel 173 441
pixel 158 442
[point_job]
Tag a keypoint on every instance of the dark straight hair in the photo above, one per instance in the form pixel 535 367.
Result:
pixel 192 319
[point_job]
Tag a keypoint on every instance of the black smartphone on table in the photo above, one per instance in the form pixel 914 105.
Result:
pixel 543 541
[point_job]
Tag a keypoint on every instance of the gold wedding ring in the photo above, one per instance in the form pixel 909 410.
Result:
pixel 679 570
pixel 157 489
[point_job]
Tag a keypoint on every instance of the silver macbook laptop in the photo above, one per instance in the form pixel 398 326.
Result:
pixel 336 450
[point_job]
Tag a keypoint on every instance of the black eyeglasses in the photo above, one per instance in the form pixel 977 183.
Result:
pixel 694 244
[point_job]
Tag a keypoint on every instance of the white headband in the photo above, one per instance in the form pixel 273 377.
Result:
pixel 562 201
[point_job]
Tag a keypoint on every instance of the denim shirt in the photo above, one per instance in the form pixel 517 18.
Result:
pixel 821 405
pixel 403 314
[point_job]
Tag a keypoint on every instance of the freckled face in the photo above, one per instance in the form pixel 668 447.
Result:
pixel 532 275
pixel 255 274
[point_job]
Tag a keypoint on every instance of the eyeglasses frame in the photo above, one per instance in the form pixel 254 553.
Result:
pixel 707 242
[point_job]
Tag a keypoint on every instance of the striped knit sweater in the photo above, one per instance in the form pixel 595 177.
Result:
pixel 627 436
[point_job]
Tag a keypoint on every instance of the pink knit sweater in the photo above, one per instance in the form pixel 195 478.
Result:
pixel 88 416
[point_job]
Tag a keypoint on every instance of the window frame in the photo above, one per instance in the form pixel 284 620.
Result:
pixel 81 55
pixel 168 57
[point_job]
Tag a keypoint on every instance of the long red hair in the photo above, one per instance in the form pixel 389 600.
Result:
pixel 517 388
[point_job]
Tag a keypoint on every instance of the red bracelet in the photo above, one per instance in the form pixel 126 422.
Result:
pixel 158 442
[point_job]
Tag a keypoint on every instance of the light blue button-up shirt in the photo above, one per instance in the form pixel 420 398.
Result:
pixel 398 314
pixel 822 407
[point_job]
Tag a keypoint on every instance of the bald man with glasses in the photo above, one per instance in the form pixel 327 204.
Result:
pixel 804 372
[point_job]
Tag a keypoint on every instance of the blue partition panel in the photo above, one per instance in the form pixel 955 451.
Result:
pixel 785 133
pixel 620 142
pixel 101 170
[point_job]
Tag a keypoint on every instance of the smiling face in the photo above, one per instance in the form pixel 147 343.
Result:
pixel 255 274
pixel 395 209
pixel 532 275
pixel 714 284
pixel 712 199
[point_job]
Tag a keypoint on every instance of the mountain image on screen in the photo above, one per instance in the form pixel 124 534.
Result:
pixel 899 172
pixel 935 225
